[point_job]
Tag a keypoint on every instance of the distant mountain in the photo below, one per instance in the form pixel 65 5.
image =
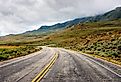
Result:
pixel 111 15
pixel 58 26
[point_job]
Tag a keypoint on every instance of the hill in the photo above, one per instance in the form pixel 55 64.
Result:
pixel 102 39
pixel 111 15
pixel 56 27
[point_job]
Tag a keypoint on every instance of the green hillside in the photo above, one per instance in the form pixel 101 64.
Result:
pixel 100 38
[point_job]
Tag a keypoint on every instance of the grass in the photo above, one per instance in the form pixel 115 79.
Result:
pixel 108 49
pixel 9 52
pixel 8 47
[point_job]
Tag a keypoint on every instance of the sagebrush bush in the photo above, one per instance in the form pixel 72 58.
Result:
pixel 105 49
pixel 17 52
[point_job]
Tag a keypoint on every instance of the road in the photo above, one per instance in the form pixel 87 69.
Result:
pixel 70 66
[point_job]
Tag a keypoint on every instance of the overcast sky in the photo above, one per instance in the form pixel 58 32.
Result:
pixel 17 16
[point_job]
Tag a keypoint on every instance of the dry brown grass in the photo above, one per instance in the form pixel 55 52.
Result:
pixel 9 47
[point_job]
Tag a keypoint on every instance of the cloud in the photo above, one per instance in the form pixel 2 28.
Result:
pixel 17 16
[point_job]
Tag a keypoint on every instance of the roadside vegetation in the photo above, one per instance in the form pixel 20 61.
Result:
pixel 9 52
pixel 108 49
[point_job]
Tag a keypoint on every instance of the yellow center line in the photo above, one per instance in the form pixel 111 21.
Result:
pixel 45 70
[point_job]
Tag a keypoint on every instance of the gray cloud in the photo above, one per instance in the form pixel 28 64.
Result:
pixel 17 16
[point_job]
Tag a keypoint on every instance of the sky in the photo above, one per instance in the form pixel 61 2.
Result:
pixel 18 16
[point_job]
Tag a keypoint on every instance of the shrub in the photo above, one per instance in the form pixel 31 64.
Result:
pixel 21 51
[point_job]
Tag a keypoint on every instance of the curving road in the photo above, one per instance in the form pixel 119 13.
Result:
pixel 70 66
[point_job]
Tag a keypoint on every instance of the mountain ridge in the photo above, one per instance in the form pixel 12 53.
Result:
pixel 111 15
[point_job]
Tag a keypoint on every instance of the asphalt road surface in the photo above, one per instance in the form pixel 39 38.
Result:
pixel 70 66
